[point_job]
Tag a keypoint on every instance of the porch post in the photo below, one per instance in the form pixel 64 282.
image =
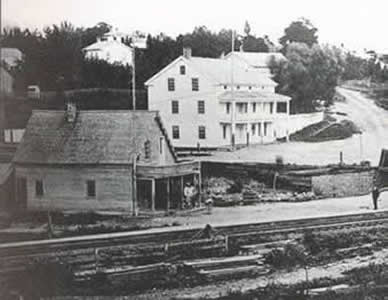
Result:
pixel 182 194
pixel 153 194
pixel 288 121
pixel 168 193
pixel 199 188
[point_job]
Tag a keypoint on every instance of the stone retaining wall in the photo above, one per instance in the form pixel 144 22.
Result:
pixel 343 185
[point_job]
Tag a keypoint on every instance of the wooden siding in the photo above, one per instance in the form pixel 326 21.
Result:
pixel 181 169
pixel 65 187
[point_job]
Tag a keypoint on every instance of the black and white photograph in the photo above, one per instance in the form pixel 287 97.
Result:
pixel 193 150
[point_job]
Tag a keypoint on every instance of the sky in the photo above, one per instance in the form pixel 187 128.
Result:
pixel 356 24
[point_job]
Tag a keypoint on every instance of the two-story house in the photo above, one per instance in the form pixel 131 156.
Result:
pixel 111 48
pixel 210 102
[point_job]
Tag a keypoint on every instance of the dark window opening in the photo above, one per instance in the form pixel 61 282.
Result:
pixel 202 132
pixel 39 188
pixel 201 107
pixel 195 84
pixel 175 132
pixel 175 107
pixel 147 149
pixel 182 70
pixel 91 188
pixel 171 84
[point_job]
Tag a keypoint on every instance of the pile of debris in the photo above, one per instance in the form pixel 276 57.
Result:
pixel 226 192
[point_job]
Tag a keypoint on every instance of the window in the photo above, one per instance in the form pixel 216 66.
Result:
pixel 225 87
pixel 201 107
pixel 91 188
pixel 175 132
pixel 195 84
pixel 174 107
pixel 250 87
pixel 227 108
pixel 7 136
pixel 161 144
pixel 182 70
pixel 171 84
pixel 224 131
pixel 39 188
pixel 259 129
pixel 254 107
pixel 238 87
pixel 271 108
pixel 202 132
pixel 147 149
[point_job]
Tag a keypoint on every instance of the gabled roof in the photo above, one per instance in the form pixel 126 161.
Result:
pixel 252 96
pixel 11 56
pixel 101 45
pixel 219 70
pixel 256 59
pixel 96 137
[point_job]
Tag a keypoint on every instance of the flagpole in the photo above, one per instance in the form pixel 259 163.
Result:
pixel 233 106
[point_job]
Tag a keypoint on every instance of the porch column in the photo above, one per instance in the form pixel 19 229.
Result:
pixel 199 189
pixel 182 193
pixel 153 194
pixel 168 193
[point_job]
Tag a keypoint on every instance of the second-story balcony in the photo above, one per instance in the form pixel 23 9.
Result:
pixel 253 106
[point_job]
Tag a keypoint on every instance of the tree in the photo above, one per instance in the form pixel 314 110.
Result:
pixel 247 29
pixel 301 31
pixel 308 74
pixel 253 44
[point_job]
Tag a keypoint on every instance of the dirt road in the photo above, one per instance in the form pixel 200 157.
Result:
pixel 372 120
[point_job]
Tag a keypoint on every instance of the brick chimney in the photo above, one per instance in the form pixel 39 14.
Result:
pixel 71 112
pixel 187 52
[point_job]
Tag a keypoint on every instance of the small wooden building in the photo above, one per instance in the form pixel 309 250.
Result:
pixel 99 160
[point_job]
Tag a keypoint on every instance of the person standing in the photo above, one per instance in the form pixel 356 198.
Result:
pixel 375 196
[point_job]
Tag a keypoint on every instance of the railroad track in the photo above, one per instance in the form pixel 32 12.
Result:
pixel 169 235
pixel 164 244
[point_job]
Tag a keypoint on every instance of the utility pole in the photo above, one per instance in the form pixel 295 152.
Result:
pixel 133 77
pixel 134 185
pixel 2 106
pixel 233 103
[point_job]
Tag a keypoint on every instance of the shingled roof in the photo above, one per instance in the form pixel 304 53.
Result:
pixel 219 70
pixel 95 137
pixel 257 59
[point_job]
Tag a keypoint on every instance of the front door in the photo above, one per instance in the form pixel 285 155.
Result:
pixel 144 194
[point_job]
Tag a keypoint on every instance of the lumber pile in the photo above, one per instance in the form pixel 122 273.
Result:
pixel 229 267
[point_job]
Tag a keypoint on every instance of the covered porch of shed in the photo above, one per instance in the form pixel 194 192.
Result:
pixel 161 188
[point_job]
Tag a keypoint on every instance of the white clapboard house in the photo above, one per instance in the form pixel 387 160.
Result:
pixel 204 100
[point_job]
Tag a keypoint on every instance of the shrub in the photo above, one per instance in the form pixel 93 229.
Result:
pixel 292 255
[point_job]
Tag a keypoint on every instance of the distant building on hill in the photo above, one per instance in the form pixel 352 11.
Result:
pixel 11 56
pixel 6 82
pixel 111 48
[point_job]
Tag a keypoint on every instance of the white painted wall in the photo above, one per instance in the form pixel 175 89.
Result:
pixel 188 118
pixel 114 53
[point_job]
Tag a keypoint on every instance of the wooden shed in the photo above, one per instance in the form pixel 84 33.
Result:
pixel 99 160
